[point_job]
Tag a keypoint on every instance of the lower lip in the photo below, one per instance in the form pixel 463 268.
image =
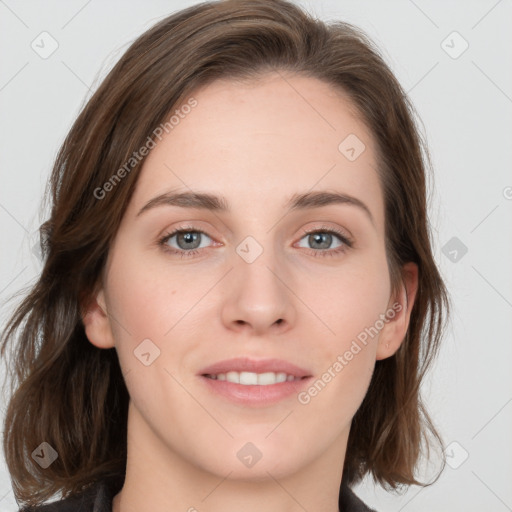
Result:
pixel 253 395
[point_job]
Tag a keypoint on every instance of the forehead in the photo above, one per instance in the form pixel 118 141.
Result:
pixel 268 138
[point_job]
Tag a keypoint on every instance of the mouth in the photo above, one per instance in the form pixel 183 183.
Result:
pixel 254 383
pixel 254 379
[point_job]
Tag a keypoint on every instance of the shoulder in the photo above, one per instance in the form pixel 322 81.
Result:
pixel 96 498
pixel 83 502
pixel 350 502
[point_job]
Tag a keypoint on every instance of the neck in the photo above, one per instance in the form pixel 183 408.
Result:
pixel 160 479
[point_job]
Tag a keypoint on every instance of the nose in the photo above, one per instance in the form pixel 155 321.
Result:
pixel 259 297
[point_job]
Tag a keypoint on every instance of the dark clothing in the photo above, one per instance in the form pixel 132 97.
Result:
pixel 98 498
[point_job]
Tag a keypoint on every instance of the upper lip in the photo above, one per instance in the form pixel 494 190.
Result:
pixel 245 364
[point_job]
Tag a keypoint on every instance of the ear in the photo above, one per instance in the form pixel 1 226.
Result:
pixel 96 320
pixel 399 313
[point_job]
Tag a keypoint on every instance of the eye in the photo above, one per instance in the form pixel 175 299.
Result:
pixel 188 241
pixel 321 240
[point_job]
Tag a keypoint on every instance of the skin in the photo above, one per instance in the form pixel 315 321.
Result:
pixel 256 144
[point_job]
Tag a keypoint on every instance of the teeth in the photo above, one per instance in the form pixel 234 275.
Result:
pixel 248 378
pixel 251 379
pixel 233 377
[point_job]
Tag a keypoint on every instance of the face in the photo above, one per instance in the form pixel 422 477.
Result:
pixel 255 289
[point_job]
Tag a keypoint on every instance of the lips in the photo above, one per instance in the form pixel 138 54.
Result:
pixel 254 383
pixel 245 364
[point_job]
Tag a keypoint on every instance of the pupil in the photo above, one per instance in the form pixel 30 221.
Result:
pixel 188 238
pixel 317 237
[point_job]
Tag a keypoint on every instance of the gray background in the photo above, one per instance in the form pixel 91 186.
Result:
pixel 465 102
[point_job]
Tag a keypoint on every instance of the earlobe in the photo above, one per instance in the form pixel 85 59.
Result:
pixel 399 313
pixel 97 322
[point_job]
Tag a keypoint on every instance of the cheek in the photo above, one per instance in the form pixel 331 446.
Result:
pixel 149 321
pixel 148 301
pixel 352 305
pixel 351 300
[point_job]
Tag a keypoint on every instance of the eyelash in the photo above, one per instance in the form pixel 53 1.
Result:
pixel 347 242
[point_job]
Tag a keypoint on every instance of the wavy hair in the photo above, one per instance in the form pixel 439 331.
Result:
pixel 72 395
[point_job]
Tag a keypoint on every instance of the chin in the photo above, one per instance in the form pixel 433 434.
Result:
pixel 251 461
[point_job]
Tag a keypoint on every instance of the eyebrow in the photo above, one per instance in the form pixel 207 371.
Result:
pixel 211 202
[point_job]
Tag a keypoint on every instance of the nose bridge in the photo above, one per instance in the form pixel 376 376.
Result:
pixel 258 295
pixel 258 264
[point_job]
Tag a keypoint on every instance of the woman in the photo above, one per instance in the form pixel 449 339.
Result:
pixel 239 299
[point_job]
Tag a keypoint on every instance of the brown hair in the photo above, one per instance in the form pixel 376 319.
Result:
pixel 71 394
